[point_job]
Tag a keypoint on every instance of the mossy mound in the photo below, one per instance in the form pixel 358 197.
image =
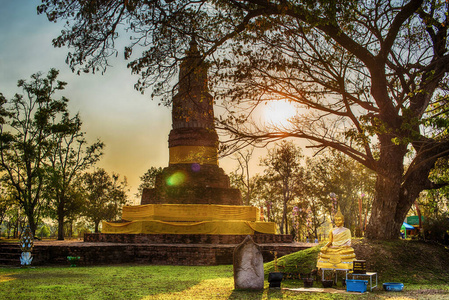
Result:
pixel 400 261
pixel 409 261
pixel 302 262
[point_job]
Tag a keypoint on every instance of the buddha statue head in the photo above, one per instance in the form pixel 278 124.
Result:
pixel 339 219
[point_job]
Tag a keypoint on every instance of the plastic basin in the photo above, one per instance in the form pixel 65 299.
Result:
pixel 393 286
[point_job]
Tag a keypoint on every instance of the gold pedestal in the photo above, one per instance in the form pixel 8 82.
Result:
pixel 190 219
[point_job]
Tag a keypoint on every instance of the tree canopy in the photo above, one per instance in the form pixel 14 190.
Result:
pixel 105 196
pixel 69 156
pixel 27 126
pixel 366 75
pixel 284 172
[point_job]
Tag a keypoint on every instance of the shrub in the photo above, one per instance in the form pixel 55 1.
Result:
pixel 44 232
pixel 437 229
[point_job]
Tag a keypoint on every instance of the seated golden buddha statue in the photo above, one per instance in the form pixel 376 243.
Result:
pixel 337 253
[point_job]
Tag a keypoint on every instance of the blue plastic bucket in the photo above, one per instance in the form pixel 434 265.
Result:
pixel 355 285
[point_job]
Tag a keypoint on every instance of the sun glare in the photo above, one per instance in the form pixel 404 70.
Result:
pixel 278 113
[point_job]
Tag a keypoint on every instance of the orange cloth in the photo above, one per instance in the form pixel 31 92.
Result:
pixel 190 212
pixel 205 227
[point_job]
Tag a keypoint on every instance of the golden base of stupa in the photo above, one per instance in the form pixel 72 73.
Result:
pixel 190 219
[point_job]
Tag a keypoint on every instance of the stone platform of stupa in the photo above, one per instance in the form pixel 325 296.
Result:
pixel 192 199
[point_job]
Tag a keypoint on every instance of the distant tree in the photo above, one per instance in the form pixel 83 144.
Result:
pixel 352 183
pixel 241 178
pixel 70 155
pixel 3 208
pixel 75 206
pixel 435 203
pixel 8 203
pixel 148 180
pixel 26 128
pixel 283 170
pixel 14 220
pixel 105 196
pixel 44 232
pixel 317 218
pixel 268 195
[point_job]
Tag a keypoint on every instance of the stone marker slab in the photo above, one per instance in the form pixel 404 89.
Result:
pixel 248 266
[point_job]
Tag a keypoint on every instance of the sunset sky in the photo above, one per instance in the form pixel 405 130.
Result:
pixel 133 127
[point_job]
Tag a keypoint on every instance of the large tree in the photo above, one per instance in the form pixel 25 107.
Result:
pixel 70 155
pixel 366 70
pixel 25 140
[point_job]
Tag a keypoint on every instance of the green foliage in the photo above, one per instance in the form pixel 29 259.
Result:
pixel 437 116
pixel 43 150
pixel 44 231
pixel 105 196
pixel 437 229
pixel 4 204
pixel 283 174
pixel 351 182
pixel 148 180
pixel 70 155
pixel 435 202
pixel 26 130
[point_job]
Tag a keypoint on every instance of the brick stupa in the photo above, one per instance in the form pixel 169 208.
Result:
pixel 193 194
pixel 193 175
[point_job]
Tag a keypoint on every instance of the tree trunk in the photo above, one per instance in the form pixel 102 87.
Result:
pixel 71 229
pixel 29 212
pixel 385 223
pixel 61 220
pixel 396 192
pixel 284 218
pixel 60 227
pixel 97 223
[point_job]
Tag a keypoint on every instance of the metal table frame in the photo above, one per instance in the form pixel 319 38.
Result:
pixel 332 269
pixel 368 274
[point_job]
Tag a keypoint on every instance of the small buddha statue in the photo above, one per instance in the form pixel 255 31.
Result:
pixel 337 253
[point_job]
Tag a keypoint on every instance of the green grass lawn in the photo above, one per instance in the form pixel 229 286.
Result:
pixel 423 268
pixel 166 282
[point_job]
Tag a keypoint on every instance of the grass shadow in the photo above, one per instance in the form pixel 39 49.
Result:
pixel 247 294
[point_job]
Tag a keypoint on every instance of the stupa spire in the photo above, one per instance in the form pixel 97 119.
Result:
pixel 193 138
pixel 193 175
pixel 193 105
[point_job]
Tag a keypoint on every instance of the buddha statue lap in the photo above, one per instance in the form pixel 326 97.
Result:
pixel 337 253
